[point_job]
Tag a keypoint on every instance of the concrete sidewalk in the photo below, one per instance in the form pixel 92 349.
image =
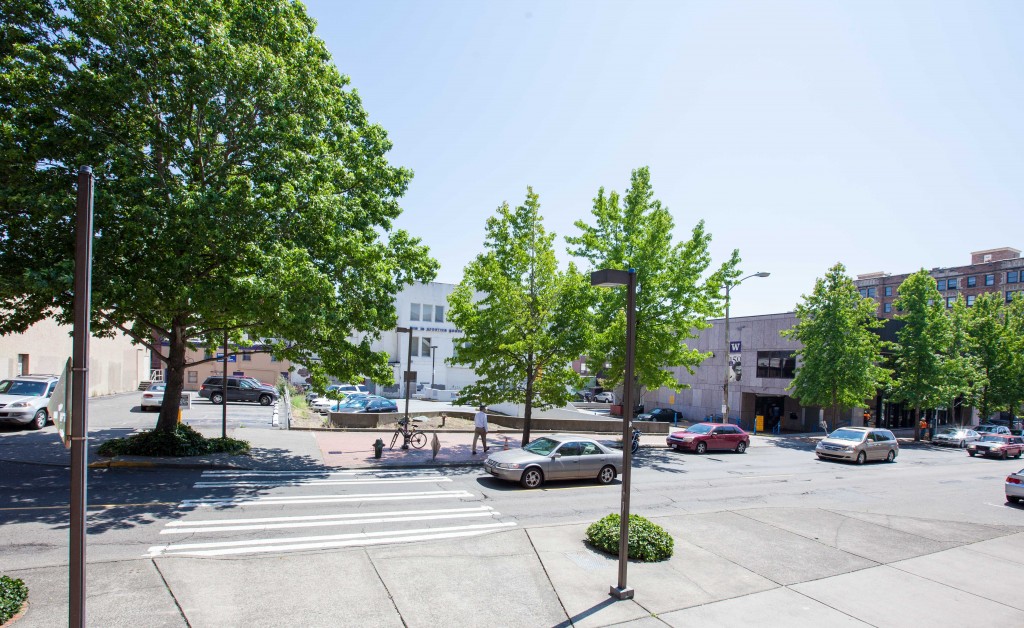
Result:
pixel 768 567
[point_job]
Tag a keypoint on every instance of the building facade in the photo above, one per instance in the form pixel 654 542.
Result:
pixel 994 270
pixel 248 361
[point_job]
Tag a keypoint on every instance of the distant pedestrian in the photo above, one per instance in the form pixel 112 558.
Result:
pixel 867 419
pixel 480 430
pixel 923 425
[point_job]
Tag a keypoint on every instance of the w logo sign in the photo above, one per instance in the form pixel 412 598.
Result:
pixel 734 347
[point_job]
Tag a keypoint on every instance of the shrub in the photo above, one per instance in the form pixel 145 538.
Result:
pixel 183 441
pixel 647 540
pixel 13 594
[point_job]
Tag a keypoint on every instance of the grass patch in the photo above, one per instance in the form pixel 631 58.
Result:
pixel 183 441
pixel 647 542
pixel 13 594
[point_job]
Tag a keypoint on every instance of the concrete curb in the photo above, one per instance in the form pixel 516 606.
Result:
pixel 145 462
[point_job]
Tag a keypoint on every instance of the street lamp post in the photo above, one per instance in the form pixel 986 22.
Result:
pixel 605 278
pixel 725 386
pixel 433 356
pixel 408 371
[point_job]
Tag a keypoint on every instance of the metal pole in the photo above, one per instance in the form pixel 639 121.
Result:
pixel 408 369
pixel 433 360
pixel 80 394
pixel 622 591
pixel 725 386
pixel 224 406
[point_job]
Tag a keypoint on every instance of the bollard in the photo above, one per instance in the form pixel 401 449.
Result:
pixel 443 419
pixel 378 448
pixel 506 443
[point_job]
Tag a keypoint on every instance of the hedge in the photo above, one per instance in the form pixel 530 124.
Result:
pixel 648 541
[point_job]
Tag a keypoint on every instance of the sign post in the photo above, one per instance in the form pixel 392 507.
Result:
pixel 59 406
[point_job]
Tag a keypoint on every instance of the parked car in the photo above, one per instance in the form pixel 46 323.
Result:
pixel 1015 487
pixel 703 437
pixel 239 389
pixel 584 395
pixel 858 444
pixel 989 428
pixel 23 400
pixel 153 397
pixel 605 397
pixel 956 436
pixel 323 404
pixel 660 414
pixel 367 403
pixel 999 445
pixel 556 457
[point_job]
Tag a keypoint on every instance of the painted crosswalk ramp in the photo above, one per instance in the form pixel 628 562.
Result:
pixel 254 512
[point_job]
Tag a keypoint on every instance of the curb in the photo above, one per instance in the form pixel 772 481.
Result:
pixel 118 462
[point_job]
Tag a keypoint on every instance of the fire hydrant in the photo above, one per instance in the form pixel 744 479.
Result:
pixel 378 448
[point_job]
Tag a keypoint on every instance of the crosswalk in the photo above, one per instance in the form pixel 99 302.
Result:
pixel 358 507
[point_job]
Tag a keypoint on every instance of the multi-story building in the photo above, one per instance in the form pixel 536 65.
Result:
pixel 995 270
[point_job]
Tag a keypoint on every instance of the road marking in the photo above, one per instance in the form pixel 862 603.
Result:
pixel 225 548
pixel 318 482
pixel 217 522
pixel 91 506
pixel 277 500
pixel 410 472
pixel 329 520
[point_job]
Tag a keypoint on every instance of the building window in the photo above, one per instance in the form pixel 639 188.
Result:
pixel 1011 276
pixel 990 280
pixel 420 347
pixel 427 313
pixel 972 281
pixel 887 307
pixel 273 359
pixel 193 377
pixel 414 311
pixel 23 364
pixel 970 300
pixel 950 301
pixel 941 284
pixel 246 356
pixel 425 347
pixel 888 291
pixel 776 364
pixel 951 284
pixel 863 292
pixel 871 292
pixel 208 354
pixel 438 313
pixel 1009 296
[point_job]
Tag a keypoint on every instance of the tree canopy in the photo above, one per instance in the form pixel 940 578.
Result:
pixel 240 185
pixel 839 364
pixel 524 320
pixel 676 293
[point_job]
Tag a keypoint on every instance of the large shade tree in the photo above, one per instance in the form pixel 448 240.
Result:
pixel 677 289
pixel 524 320
pixel 240 185
pixel 839 364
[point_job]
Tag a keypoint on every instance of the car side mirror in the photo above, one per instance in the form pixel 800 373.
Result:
pixel 556 455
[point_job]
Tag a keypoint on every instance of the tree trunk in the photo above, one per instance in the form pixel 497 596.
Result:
pixel 528 409
pixel 917 423
pixel 175 381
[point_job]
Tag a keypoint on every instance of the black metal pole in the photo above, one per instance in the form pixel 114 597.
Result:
pixel 408 370
pixel 622 591
pixel 224 406
pixel 80 395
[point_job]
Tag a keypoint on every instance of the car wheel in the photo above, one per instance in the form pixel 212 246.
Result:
pixel 606 475
pixel 741 447
pixel 891 457
pixel 266 400
pixel 217 398
pixel 962 444
pixel 1004 456
pixel 702 448
pixel 532 478
pixel 970 453
pixel 862 458
pixel 1019 452
pixel 39 421
pixel 1013 499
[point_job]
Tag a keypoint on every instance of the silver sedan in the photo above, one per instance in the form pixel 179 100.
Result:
pixel 556 457
pixel 957 437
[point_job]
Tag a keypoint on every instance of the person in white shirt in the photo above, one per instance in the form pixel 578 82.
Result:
pixel 481 429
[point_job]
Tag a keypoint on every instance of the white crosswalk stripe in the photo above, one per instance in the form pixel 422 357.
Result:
pixel 313 499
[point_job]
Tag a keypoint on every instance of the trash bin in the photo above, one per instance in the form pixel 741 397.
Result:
pixel 616 410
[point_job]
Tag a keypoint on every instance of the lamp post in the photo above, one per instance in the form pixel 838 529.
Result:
pixel 433 350
pixel 408 370
pixel 606 278
pixel 725 386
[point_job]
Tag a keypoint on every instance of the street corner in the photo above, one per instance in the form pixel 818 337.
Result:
pixel 358 449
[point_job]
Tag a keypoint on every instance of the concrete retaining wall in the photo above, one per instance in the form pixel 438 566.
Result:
pixel 612 426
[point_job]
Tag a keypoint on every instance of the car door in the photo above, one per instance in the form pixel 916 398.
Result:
pixel 714 438
pixel 591 460
pixel 246 390
pixel 567 464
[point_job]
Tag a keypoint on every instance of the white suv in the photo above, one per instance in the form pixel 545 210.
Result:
pixel 23 400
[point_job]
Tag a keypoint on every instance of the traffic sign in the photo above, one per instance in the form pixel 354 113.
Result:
pixel 59 406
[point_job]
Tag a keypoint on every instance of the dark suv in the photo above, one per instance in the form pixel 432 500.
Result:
pixel 239 389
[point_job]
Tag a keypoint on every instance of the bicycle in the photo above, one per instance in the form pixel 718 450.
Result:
pixel 635 447
pixel 410 436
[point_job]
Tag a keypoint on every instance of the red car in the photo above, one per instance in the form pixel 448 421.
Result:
pixel 1002 445
pixel 702 437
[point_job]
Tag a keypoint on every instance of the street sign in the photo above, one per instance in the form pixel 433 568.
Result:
pixel 231 358
pixel 59 406
pixel 435 446
pixel 735 346
pixel 185 401
pixel 410 376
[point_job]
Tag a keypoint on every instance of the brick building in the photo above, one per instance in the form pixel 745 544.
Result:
pixel 995 270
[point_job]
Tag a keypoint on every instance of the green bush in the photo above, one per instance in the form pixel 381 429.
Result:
pixel 183 441
pixel 647 540
pixel 13 594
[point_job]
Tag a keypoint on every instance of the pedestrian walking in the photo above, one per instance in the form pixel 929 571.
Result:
pixel 923 425
pixel 480 429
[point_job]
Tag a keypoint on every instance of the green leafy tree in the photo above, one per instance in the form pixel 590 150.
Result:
pixel 524 321
pixel 919 352
pixel 963 379
pixel 675 293
pixel 988 342
pixel 239 183
pixel 1010 391
pixel 839 365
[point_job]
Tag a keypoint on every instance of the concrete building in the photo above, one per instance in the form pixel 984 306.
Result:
pixel 994 270
pixel 115 364
pixel 249 362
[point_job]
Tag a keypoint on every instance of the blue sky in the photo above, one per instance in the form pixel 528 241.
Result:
pixel 885 135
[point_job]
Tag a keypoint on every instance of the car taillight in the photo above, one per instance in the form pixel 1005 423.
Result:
pixel 1012 480
pixel 147 396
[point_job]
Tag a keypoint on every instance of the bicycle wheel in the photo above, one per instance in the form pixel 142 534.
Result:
pixel 418 440
pixel 394 439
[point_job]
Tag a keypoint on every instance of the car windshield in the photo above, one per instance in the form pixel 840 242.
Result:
pixel 18 387
pixel 949 432
pixel 355 403
pixel 700 428
pixel 542 446
pixel 847 435
pixel 993 438
pixel 157 387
